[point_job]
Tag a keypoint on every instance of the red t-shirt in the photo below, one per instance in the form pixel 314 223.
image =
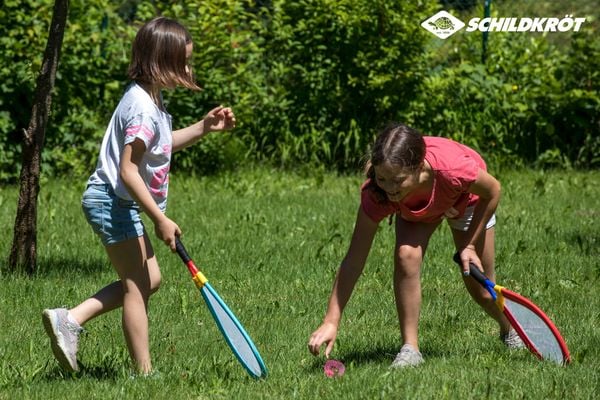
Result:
pixel 455 167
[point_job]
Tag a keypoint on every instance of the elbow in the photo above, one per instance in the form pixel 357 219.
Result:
pixel 498 190
pixel 125 174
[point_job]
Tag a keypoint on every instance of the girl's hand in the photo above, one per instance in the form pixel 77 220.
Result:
pixel 467 256
pixel 325 334
pixel 219 119
pixel 166 230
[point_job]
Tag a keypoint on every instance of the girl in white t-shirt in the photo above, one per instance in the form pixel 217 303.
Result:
pixel 132 176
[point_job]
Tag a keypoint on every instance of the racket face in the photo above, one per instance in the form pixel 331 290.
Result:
pixel 237 338
pixel 542 337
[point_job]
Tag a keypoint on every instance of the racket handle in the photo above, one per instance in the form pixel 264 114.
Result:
pixel 473 270
pixel 181 251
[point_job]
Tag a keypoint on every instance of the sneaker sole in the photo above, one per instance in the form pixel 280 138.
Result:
pixel 406 364
pixel 59 354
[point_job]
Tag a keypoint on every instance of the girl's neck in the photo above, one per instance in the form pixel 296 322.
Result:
pixel 154 93
pixel 425 184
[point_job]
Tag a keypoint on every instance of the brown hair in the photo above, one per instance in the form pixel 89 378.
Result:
pixel 158 55
pixel 399 145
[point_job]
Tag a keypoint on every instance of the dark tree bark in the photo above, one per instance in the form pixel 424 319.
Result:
pixel 23 254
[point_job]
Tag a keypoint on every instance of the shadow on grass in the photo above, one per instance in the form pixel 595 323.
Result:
pixel 382 354
pixel 587 244
pixel 52 266
pixel 60 266
pixel 97 372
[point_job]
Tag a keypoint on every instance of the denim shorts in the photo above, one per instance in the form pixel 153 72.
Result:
pixel 113 219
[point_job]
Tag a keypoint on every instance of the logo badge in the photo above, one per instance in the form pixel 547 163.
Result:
pixel 443 24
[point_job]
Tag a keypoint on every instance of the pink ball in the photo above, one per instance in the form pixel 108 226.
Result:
pixel 334 368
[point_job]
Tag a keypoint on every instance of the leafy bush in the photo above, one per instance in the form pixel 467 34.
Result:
pixel 345 67
pixel 530 103
pixel 578 119
pixel 89 80
pixel 311 81
pixel 22 33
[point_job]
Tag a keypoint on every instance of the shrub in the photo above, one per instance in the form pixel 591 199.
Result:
pixel 530 104
pixel 89 81
pixel 311 81
pixel 345 67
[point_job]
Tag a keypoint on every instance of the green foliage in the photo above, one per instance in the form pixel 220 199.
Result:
pixel 345 66
pixel 531 103
pixel 88 84
pixel 228 66
pixel 90 80
pixel 311 82
pixel 578 118
pixel 22 33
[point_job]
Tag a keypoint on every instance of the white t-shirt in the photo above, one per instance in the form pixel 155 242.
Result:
pixel 137 117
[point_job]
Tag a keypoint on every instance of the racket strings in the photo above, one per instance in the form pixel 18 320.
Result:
pixel 538 332
pixel 237 340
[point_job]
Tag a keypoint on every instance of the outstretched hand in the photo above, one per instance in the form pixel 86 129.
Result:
pixel 325 334
pixel 219 119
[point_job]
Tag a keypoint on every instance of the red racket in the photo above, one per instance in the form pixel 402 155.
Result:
pixel 533 326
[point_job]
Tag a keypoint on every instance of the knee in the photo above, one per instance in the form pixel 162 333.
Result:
pixel 480 295
pixel 155 283
pixel 408 262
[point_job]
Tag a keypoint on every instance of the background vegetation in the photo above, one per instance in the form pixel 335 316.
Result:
pixel 311 81
pixel 274 265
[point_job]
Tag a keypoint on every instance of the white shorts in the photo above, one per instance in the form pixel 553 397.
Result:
pixel 463 223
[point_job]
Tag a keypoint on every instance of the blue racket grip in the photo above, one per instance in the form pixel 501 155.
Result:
pixel 181 251
pixel 477 275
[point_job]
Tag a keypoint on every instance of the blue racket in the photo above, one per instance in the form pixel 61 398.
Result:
pixel 236 336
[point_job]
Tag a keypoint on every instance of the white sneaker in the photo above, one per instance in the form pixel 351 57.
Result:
pixel 512 340
pixel 408 357
pixel 64 336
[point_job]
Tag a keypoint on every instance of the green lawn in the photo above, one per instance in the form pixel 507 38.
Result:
pixel 270 243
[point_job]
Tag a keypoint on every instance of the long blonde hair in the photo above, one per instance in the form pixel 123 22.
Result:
pixel 158 55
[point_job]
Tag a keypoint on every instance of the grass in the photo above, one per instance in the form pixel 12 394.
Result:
pixel 270 243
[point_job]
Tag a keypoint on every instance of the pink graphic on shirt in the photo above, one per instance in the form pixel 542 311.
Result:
pixel 134 130
pixel 159 182
pixel 166 148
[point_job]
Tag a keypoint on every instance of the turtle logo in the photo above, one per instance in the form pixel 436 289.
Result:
pixel 443 24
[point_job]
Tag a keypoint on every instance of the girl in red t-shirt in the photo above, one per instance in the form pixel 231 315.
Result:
pixel 421 180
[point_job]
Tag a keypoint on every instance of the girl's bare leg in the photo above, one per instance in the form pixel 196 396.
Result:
pixel 412 239
pixel 136 265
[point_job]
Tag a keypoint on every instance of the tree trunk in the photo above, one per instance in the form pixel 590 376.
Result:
pixel 23 255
